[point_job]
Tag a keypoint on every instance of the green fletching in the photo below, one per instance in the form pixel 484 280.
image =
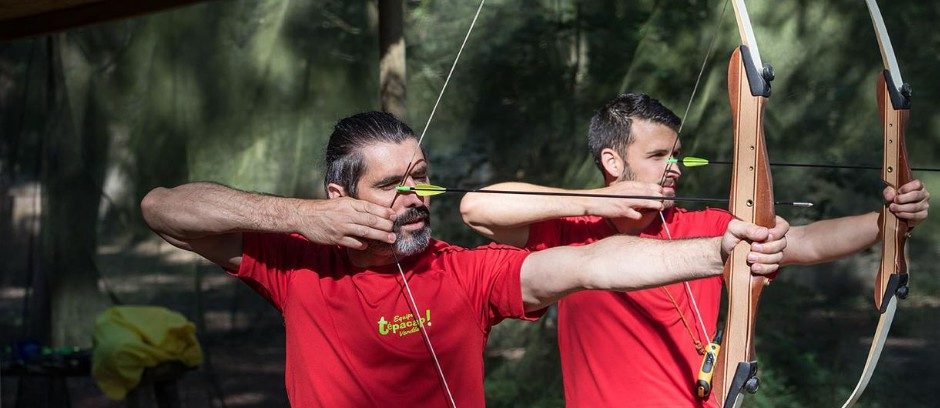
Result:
pixel 425 190
pixel 689 161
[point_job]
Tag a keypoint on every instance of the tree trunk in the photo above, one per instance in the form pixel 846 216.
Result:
pixel 392 81
pixel 74 158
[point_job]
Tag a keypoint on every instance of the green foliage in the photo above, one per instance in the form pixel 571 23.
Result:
pixel 522 363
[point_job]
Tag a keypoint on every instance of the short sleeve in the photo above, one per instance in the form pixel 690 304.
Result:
pixel 490 276
pixel 267 262
pixel 544 235
pixel 720 219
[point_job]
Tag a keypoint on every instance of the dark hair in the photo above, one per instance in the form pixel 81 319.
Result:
pixel 344 163
pixel 611 125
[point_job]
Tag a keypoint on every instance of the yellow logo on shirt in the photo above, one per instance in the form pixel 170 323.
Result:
pixel 405 324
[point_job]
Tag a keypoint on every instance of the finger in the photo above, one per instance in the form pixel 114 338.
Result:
pixel 632 214
pixel 373 221
pixel 908 208
pixel 362 231
pixel 780 228
pixel 737 230
pixel 771 246
pixel 747 231
pixel 376 210
pixel 764 269
pixel 889 194
pixel 913 185
pixel 911 197
pixel 352 243
pixel 764 258
pixel 648 204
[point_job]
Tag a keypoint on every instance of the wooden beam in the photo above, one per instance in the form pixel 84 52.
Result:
pixel 27 18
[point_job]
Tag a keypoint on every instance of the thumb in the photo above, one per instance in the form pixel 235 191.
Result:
pixel 889 194
pixel 741 231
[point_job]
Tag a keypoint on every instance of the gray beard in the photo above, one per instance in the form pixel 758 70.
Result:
pixel 414 243
pixel 408 243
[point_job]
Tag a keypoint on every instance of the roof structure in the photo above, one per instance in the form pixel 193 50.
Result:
pixel 26 18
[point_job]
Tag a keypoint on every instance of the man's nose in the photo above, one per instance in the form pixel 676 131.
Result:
pixel 412 199
pixel 674 169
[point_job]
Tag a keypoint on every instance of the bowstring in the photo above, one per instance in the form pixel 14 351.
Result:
pixel 685 115
pixel 411 163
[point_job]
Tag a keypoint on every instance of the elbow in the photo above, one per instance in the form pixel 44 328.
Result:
pixel 150 205
pixel 590 273
pixel 470 211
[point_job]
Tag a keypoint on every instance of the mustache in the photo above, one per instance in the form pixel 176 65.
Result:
pixel 413 214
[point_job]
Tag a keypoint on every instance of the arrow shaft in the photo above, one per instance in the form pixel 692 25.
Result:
pixel 564 194
pixel 830 166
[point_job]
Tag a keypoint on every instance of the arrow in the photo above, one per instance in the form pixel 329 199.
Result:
pixel 427 190
pixel 690 161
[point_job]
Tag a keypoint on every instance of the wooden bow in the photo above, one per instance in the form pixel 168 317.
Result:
pixel 751 201
pixel 894 100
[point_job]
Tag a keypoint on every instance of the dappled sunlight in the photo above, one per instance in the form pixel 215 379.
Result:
pixel 218 321
pixel 12 293
pixel 245 398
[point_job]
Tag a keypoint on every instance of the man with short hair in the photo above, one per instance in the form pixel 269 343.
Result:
pixel 376 312
pixel 644 348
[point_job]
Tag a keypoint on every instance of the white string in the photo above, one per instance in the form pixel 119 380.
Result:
pixel 427 339
pixel 447 81
pixel 662 181
pixel 412 304
pixel 688 289
pixel 698 80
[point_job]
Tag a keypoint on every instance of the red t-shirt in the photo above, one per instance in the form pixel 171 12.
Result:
pixel 632 349
pixel 352 340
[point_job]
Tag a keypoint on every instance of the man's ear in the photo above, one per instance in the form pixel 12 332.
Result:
pixel 334 190
pixel 612 163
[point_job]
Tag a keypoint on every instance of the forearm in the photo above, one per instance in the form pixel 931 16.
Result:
pixel 828 240
pixel 619 263
pixel 490 213
pixel 624 263
pixel 197 210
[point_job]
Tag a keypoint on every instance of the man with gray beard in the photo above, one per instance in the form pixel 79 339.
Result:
pixel 377 313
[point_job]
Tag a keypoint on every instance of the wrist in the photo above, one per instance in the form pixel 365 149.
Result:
pixel 717 257
pixel 589 205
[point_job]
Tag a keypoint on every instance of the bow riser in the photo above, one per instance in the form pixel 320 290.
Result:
pixel 751 201
pixel 892 275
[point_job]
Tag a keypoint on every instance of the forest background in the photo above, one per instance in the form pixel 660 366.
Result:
pixel 245 93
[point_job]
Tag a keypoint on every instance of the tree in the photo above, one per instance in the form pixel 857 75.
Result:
pixel 392 83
